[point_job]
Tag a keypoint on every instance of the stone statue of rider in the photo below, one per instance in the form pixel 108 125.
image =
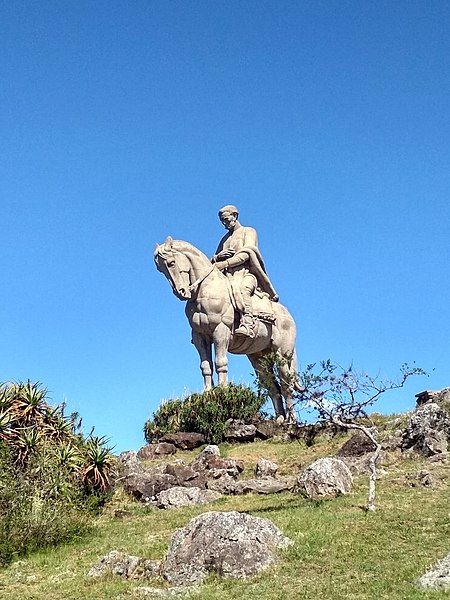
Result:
pixel 238 256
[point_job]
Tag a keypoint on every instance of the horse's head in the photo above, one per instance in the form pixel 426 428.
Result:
pixel 176 266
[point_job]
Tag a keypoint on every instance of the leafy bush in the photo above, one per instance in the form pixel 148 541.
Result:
pixel 41 504
pixel 51 476
pixel 206 412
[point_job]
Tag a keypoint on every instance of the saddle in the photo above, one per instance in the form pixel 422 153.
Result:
pixel 262 305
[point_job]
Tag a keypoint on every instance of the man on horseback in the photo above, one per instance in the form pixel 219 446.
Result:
pixel 239 258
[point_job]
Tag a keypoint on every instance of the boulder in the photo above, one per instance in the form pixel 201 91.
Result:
pixel 177 497
pixel 437 578
pixel 326 477
pixel 213 465
pixel 427 431
pixel 147 485
pixel 127 463
pixel 152 451
pixel 265 468
pixel 268 429
pixel 185 475
pixel 184 440
pixel 358 445
pixel 265 485
pixel 239 431
pixel 231 544
pixel 125 566
pixel 225 484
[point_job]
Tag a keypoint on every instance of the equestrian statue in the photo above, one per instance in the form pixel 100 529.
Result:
pixel 232 305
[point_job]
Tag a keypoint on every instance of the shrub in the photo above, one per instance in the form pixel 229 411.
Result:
pixel 206 412
pixel 40 505
pixel 51 476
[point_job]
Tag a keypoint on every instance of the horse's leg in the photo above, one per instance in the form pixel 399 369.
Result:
pixel 288 376
pixel 267 378
pixel 204 349
pixel 221 339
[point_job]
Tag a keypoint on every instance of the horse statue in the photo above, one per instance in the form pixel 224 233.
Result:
pixel 213 319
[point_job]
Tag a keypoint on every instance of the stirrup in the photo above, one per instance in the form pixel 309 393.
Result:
pixel 246 327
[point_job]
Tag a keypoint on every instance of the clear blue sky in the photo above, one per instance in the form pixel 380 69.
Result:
pixel 327 123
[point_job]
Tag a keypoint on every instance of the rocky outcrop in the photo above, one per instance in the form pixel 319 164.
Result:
pixel 178 497
pixel 326 477
pixel 428 431
pixel 230 544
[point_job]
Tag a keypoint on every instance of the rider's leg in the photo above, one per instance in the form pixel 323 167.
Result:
pixel 247 325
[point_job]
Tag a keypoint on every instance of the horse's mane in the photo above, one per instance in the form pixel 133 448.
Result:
pixel 179 246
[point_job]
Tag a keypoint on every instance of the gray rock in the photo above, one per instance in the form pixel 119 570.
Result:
pixel 145 486
pixel 152 451
pixel 427 431
pixel 326 477
pixel 214 466
pixel 231 544
pixel 177 497
pixel 438 577
pixel 186 476
pixel 225 484
pixel 264 485
pixel 126 566
pixel 127 463
pixel 184 440
pixel 171 592
pixel 265 468
pixel 239 431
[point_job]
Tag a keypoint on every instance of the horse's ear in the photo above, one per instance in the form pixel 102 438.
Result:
pixel 168 243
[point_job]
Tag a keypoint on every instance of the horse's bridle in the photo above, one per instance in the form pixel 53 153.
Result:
pixel 198 281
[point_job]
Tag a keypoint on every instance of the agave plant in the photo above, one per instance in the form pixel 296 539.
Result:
pixel 26 442
pixel 98 463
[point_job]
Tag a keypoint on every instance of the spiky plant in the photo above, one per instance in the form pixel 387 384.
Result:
pixel 98 464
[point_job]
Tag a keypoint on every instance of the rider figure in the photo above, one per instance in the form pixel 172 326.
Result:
pixel 239 257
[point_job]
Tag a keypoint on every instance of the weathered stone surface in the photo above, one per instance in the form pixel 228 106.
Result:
pixel 265 468
pixel 326 477
pixel 438 577
pixel 127 463
pixel 437 396
pixel 170 592
pixel 184 440
pixel 427 431
pixel 265 485
pixel 152 451
pixel 231 544
pixel 185 496
pixel 225 484
pixel 125 566
pixel 239 431
pixel 268 429
pixel 186 476
pixel 209 461
pixel 145 486
pixel 393 441
pixel 358 445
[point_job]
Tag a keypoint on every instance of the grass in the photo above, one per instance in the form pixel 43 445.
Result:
pixel 339 550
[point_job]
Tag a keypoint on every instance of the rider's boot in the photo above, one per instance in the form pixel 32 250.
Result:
pixel 247 325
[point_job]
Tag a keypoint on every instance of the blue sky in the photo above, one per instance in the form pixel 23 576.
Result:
pixel 327 123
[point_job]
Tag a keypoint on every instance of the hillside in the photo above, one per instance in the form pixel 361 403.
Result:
pixel 339 550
